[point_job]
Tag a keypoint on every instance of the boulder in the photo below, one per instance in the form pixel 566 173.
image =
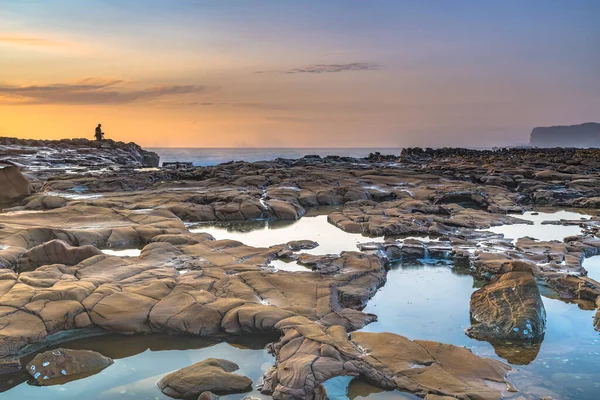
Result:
pixel 13 184
pixel 59 366
pixel 508 308
pixel 297 245
pixel 212 374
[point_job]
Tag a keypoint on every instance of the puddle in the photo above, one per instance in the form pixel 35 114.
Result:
pixel 78 195
pixel 543 232
pixel 592 265
pixel 288 266
pixel 123 253
pixel 140 361
pixel 267 233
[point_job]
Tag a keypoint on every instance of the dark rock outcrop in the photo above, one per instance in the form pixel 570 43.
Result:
pixel 75 153
pixel 582 135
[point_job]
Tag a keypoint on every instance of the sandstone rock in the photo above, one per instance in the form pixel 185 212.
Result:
pixel 13 183
pixel 297 245
pixel 425 367
pixel 54 252
pixel 212 375
pixel 59 366
pixel 510 307
pixel 45 203
pixel 309 354
pixel 208 396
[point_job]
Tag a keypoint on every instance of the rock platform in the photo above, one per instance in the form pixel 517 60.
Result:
pixel 55 279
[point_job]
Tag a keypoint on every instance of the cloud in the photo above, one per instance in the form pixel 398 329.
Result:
pixel 253 106
pixel 28 41
pixel 326 68
pixel 90 91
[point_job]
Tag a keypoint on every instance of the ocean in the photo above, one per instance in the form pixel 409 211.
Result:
pixel 213 156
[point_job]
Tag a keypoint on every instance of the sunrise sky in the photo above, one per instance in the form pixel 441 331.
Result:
pixel 301 73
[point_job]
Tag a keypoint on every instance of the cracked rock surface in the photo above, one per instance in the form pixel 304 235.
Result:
pixel 55 279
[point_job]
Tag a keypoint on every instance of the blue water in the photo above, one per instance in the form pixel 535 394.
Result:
pixel 213 156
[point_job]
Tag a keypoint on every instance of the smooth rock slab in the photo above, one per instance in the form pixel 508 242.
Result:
pixel 510 307
pixel 59 366
pixel 213 375
pixel 424 367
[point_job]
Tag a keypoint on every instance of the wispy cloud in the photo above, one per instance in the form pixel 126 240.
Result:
pixel 91 91
pixel 247 105
pixel 28 41
pixel 326 68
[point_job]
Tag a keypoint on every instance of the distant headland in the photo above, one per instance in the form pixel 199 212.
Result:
pixel 582 135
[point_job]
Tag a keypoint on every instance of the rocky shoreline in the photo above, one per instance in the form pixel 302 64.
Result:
pixel 55 279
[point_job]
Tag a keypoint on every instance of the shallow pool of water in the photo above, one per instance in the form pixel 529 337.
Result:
pixel 123 253
pixel 140 361
pixel 592 265
pixel 267 233
pixel 432 303
pixel 541 231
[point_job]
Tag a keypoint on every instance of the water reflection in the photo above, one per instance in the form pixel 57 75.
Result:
pixel 123 253
pixel 313 226
pixel 592 265
pixel 432 303
pixel 140 361
pixel 540 231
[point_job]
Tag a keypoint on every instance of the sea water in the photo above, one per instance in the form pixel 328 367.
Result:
pixel 213 156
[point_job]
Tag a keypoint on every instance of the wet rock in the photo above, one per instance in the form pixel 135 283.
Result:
pixel 425 367
pixel 59 366
pixel 510 307
pixel 213 375
pixel 308 355
pixel 13 183
pixel 208 396
pixel 297 245
pixel 45 203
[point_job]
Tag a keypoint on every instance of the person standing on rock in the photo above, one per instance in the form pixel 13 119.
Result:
pixel 99 134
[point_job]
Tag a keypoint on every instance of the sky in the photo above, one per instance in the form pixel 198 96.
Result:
pixel 298 73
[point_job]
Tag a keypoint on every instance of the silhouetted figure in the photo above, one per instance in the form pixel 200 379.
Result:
pixel 99 135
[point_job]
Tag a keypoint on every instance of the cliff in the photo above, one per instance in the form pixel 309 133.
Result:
pixel 583 135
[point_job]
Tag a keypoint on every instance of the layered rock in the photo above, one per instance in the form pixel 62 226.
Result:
pixel 508 308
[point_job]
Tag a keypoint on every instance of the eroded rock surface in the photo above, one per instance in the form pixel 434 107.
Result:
pixel 59 366
pixel 508 308
pixel 309 354
pixel 211 375
pixel 54 278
